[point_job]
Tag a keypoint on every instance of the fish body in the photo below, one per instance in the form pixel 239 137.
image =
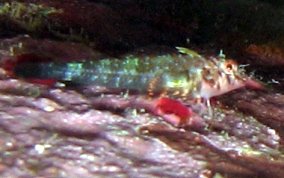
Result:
pixel 183 75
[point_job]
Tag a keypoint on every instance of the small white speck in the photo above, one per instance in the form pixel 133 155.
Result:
pixel 9 144
pixel 40 149
pixel 49 108
pixel 221 54
pixel 134 112
pixel 110 168
pixel 60 85
pixel 274 81
pixel 20 45
pixel 88 157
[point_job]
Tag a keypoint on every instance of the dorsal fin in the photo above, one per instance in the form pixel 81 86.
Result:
pixel 187 51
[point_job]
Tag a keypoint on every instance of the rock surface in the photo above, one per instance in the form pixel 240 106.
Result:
pixel 78 132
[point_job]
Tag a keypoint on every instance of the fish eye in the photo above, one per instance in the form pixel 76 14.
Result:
pixel 230 67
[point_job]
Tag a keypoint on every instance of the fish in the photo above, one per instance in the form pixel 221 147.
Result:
pixel 185 75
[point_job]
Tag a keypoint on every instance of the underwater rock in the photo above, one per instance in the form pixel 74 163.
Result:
pixel 45 49
pixel 58 132
pixel 265 55
pixel 63 20
pixel 266 106
pixel 265 62
pixel 78 132
pixel 122 27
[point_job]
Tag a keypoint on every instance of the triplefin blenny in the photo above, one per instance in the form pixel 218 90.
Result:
pixel 184 75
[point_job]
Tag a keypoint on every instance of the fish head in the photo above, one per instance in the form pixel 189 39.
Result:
pixel 222 76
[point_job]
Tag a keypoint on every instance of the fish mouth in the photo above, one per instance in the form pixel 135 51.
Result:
pixel 224 85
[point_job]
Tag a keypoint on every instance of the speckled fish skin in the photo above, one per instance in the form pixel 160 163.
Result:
pixel 176 75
